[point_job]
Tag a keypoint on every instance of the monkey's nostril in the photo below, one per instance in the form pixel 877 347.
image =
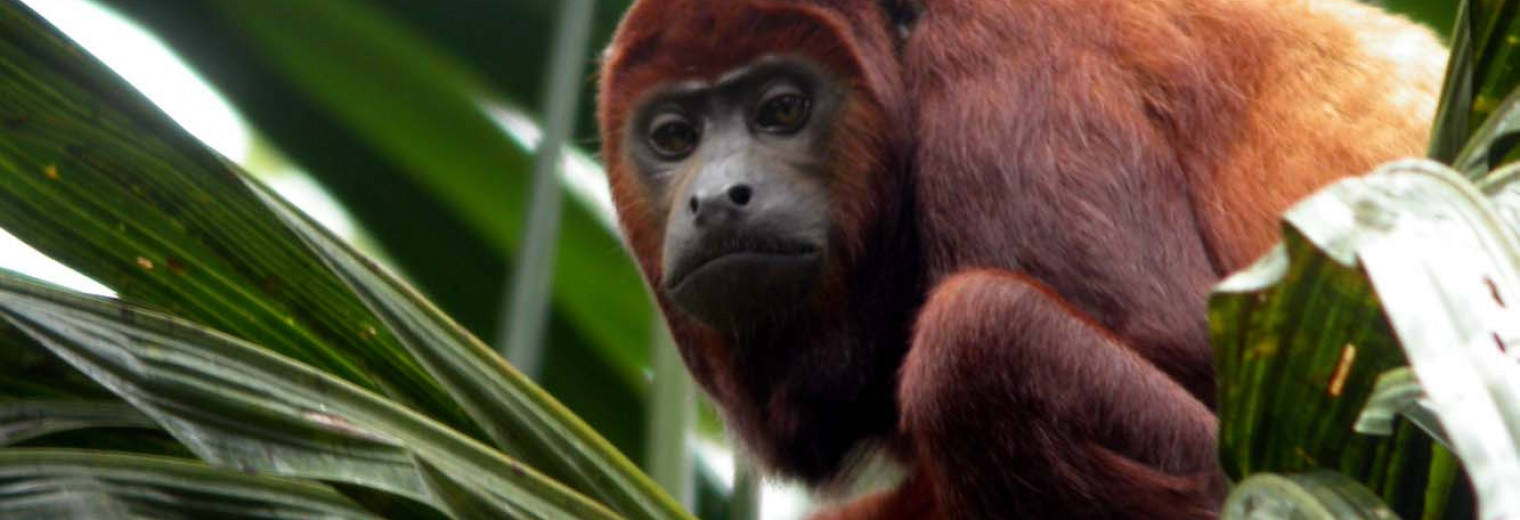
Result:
pixel 693 204
pixel 740 194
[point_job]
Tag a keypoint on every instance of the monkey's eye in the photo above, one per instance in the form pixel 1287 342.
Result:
pixel 673 137
pixel 784 114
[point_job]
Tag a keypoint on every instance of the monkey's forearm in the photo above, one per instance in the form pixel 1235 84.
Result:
pixel 1020 408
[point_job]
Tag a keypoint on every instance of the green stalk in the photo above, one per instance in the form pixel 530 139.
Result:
pixel 523 335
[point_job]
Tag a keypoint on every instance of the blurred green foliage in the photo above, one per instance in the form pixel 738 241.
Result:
pixel 1438 14
pixel 378 100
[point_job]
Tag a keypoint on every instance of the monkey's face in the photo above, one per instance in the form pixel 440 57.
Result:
pixel 745 196
pixel 758 154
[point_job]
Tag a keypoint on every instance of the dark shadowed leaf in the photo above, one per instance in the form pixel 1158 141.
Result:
pixel 26 419
pixel 45 402
pixel 1483 72
pixel 31 373
pixel 1492 145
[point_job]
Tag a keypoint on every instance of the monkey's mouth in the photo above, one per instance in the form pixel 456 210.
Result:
pixel 746 252
pixel 736 280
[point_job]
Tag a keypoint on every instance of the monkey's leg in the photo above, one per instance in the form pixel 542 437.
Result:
pixel 1020 407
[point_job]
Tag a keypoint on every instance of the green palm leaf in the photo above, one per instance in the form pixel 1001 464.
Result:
pixel 237 405
pixel 98 178
pixel 49 484
pixel 300 357
pixel 517 413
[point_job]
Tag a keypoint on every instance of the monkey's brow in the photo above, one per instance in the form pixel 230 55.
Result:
pixel 727 81
pixel 733 80
pixel 759 66
pixel 735 76
pixel 689 88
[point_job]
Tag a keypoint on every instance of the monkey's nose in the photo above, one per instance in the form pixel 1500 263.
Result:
pixel 730 201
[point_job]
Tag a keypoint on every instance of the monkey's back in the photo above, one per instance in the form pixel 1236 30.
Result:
pixel 1126 154
pixel 1346 87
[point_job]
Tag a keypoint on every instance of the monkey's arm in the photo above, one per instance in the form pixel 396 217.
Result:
pixel 1021 407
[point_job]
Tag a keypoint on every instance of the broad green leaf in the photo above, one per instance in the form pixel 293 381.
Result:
pixel 521 416
pixel 239 406
pixel 50 484
pixel 506 42
pixel 1320 495
pixel 1300 339
pixel 95 176
pixel 1396 395
pixel 1449 306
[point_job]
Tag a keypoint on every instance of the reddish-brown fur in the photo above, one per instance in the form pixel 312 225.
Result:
pixel 1031 200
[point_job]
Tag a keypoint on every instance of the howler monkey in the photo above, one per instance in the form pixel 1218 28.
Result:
pixel 980 234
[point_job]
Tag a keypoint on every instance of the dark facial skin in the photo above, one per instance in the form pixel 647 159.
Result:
pixel 739 163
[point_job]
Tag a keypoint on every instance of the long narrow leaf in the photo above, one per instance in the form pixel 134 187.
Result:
pixel 94 175
pixel 22 420
pixel 237 405
pixel 1493 143
pixel 518 414
pixel 51 484
pixel 672 415
pixel 522 340
pixel 439 190
pixel 1481 73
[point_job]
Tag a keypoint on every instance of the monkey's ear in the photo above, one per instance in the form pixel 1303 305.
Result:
pixel 902 15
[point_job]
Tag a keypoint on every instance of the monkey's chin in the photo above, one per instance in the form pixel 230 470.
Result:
pixel 744 287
